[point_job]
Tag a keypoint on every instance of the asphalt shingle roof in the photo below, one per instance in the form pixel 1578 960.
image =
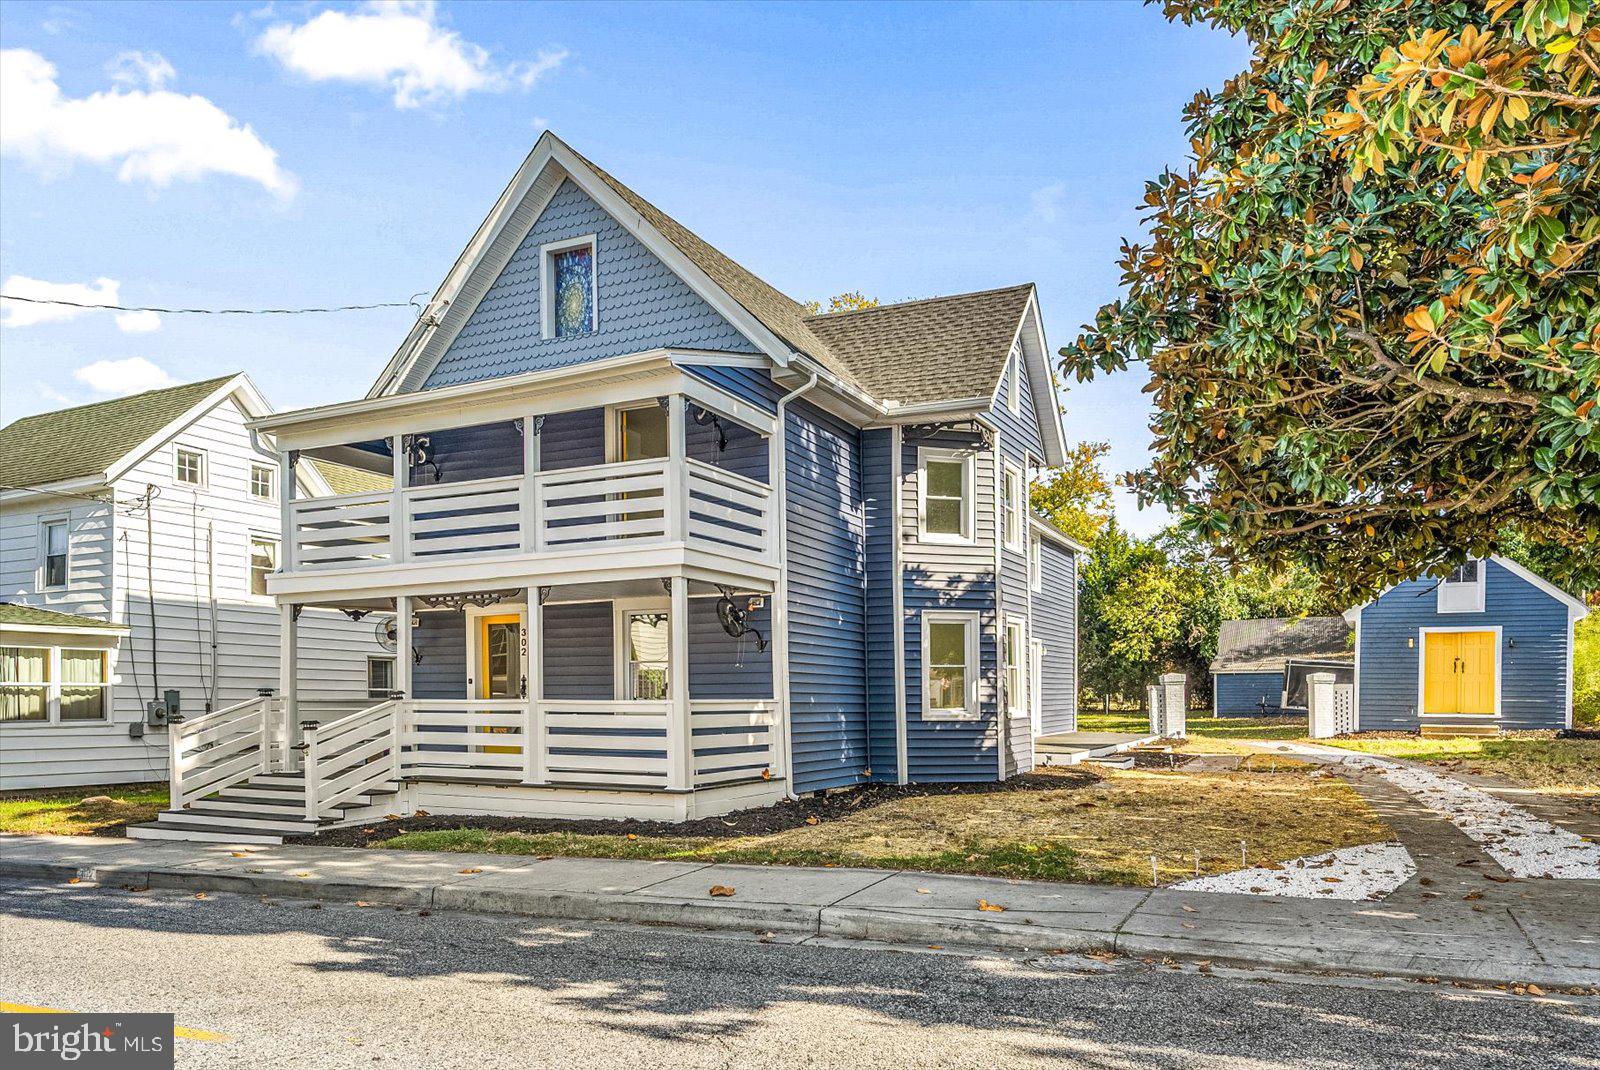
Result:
pixel 29 617
pixel 87 439
pixel 1267 643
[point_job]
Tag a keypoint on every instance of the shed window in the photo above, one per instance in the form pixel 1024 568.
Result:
pixel 950 666
pixel 946 484
pixel 1463 590
pixel 191 467
pixel 263 562
pixel 55 553
pixel 24 684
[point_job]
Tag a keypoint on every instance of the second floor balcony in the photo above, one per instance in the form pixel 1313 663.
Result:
pixel 581 484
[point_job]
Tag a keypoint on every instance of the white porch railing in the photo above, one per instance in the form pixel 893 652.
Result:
pixel 350 756
pixel 609 744
pixel 733 740
pixel 598 506
pixel 222 748
pixel 477 738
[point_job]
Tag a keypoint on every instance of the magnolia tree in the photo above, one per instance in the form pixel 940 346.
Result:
pixel 1368 304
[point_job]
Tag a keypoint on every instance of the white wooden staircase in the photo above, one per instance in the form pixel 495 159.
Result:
pixel 233 782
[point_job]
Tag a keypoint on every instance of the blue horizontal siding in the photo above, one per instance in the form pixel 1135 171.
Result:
pixel 753 385
pixel 1242 693
pixel 1055 622
pixel 877 484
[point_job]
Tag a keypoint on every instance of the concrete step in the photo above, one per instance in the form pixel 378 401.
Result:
pixel 155 830
pixel 203 815
pixel 1475 731
pixel 1110 761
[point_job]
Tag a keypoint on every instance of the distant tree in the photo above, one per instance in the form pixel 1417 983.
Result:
pixel 1077 496
pixel 845 302
pixel 1369 303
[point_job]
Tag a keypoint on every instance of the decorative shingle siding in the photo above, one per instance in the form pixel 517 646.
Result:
pixel 641 304
pixel 1055 621
pixel 1241 693
pixel 956 577
pixel 826 561
pixel 1534 671
pixel 877 483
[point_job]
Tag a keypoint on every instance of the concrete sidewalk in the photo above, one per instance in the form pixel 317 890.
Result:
pixel 1514 940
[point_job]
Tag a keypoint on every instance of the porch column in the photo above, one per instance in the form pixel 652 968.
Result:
pixel 286 495
pixel 677 505
pixel 402 644
pixel 288 674
pixel 533 743
pixel 680 760
pixel 530 489
pixel 398 537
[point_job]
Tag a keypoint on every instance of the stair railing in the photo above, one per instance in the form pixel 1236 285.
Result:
pixel 216 750
pixel 342 759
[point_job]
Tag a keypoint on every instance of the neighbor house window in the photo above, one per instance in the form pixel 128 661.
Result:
pixel 1035 565
pixel 946 490
pixel 380 677
pixel 83 685
pixel 263 482
pixel 1016 688
pixel 1014 382
pixel 54 538
pixel 950 665
pixel 569 288
pixel 191 467
pixel 1011 506
pixel 24 683
pixel 1463 590
pixel 263 562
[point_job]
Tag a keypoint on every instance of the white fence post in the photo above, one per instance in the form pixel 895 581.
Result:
pixel 313 755
pixel 1174 705
pixel 174 774
pixel 1152 699
pixel 1319 705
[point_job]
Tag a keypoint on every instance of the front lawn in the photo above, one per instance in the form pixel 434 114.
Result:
pixel 1534 760
pixel 1207 735
pixel 94 811
pixel 1074 824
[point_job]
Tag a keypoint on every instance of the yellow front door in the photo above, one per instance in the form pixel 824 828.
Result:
pixel 1459 672
pixel 500 662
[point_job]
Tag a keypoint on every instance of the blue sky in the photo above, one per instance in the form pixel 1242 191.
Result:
pixel 306 154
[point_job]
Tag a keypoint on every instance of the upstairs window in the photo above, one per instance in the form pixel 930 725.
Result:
pixel 1035 565
pixel 1014 382
pixel 1011 507
pixel 1016 678
pixel 191 468
pixel 1463 590
pixel 945 484
pixel 263 562
pixel 53 537
pixel 568 288
pixel 263 482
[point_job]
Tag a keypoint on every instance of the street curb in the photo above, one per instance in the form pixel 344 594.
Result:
pixel 846 923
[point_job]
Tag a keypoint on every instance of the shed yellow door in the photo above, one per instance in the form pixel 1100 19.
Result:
pixel 1459 672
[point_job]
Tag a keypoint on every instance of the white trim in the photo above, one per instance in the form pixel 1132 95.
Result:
pixel 272 481
pixel 1035 564
pixel 1059 538
pixel 969 493
pixel 42 531
pixel 898 600
pixel 113 631
pixel 239 387
pixel 53 683
pixel 1019 507
pixel 178 452
pixel 1002 717
pixel 1422 667
pixel 391 660
pixel 1355 691
pixel 621 610
pixel 971 619
pixel 250 540
pixel 1036 654
pixel 1576 609
pixel 1013 704
pixel 473 614
pixel 547 282
pixel 1448 588
pixel 1570 667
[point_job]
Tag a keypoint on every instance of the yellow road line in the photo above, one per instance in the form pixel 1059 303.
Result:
pixel 178 1030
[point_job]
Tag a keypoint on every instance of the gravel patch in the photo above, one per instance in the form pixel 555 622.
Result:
pixel 1368 871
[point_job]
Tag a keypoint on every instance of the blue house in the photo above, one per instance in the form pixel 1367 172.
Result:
pixel 1487 648
pixel 1262 664
pixel 656 540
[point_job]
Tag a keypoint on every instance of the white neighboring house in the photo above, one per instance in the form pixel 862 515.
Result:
pixel 93 627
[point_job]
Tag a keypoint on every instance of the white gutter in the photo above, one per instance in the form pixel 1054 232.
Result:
pixel 777 458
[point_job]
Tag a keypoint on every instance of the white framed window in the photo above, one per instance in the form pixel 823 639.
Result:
pixel 54 551
pixel 949 666
pixel 380 677
pixel 62 685
pixel 263 482
pixel 568 288
pixel 1016 680
pixel 643 654
pixel 263 562
pixel 1463 590
pixel 190 467
pixel 1035 564
pixel 1013 489
pixel 1014 382
pixel 944 492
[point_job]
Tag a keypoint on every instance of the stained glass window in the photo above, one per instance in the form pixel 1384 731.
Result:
pixel 573 291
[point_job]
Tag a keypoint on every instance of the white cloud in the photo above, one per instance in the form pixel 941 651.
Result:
pixel 128 376
pixel 138 322
pixel 1048 201
pixel 397 45
pixel 26 314
pixel 147 70
pixel 151 135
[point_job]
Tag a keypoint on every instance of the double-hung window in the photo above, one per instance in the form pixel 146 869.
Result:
pixel 1035 565
pixel 54 541
pixel 380 677
pixel 263 562
pixel 945 489
pixel 949 666
pixel 1016 671
pixel 190 468
pixel 24 684
pixel 45 684
pixel 263 482
pixel 1012 507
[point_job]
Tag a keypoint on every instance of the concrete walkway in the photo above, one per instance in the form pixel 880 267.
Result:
pixel 1552 943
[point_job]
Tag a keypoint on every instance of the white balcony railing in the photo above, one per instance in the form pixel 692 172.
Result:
pixel 598 507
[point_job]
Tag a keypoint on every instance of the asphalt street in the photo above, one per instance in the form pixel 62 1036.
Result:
pixel 288 984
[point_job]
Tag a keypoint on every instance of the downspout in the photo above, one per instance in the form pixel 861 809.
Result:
pixel 779 454
pixel 150 582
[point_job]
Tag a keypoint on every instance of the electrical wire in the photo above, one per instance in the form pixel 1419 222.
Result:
pixel 208 311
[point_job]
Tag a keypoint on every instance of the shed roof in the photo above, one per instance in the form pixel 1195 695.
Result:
pixel 1267 644
pixel 86 440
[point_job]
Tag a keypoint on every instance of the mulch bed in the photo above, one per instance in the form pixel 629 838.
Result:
pixel 780 817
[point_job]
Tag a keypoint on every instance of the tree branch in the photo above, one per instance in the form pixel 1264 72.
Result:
pixel 1442 387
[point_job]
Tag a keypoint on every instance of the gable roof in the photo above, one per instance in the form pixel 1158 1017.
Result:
pixel 1267 644
pixel 348 479
pixel 87 440
pixel 937 349
pixel 946 349
pixel 1577 609
pixel 16 616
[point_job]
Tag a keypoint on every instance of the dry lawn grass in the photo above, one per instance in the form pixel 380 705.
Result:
pixel 80 811
pixel 1532 760
pixel 1104 832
